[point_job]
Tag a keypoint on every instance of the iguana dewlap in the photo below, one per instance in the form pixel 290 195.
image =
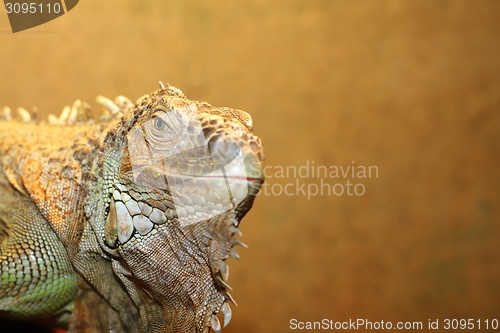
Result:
pixel 125 224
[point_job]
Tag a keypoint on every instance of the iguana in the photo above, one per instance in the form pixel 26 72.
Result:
pixel 124 224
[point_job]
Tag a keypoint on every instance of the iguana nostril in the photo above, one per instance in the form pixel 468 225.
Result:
pixel 208 131
pixel 222 149
pixel 213 140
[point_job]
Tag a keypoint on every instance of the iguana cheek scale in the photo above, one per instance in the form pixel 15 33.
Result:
pixel 125 224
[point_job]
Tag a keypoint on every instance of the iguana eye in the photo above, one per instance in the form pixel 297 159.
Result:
pixel 159 128
pixel 164 129
pixel 159 124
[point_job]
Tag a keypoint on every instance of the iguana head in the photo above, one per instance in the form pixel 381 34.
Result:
pixel 180 176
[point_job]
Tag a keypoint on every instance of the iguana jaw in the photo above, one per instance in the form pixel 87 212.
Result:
pixel 190 265
pixel 191 274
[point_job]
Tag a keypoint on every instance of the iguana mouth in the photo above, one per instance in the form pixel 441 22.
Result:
pixel 185 188
pixel 133 212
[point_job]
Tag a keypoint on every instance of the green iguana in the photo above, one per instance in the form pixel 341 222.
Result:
pixel 125 224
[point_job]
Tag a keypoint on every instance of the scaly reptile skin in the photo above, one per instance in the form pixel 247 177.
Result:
pixel 125 225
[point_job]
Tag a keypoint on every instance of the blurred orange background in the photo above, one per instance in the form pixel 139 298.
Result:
pixel 412 87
